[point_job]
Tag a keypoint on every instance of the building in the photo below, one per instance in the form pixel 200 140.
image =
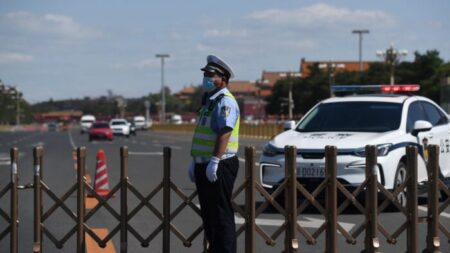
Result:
pixel 270 78
pixel 334 66
pixel 58 116
pixel 185 94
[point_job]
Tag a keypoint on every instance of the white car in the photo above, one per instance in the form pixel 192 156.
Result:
pixel 120 127
pixel 139 122
pixel 391 122
pixel 86 122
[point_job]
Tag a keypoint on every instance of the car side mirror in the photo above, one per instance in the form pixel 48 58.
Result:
pixel 289 125
pixel 421 126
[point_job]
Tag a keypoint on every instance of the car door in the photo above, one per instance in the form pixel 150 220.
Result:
pixel 415 113
pixel 440 133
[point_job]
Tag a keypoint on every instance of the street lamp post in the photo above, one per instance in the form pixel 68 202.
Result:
pixel 360 34
pixel 163 92
pixel 288 75
pixel 331 68
pixel 392 56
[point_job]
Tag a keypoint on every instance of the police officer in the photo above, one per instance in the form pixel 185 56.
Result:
pixel 215 165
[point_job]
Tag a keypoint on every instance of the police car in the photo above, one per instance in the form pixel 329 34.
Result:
pixel 389 120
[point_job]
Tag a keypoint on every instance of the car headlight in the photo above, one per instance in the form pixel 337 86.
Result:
pixel 382 150
pixel 270 150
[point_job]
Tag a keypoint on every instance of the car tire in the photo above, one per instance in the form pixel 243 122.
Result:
pixel 90 139
pixel 400 177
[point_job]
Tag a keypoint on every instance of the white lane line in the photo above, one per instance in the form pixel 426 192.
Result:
pixel 145 153
pixel 308 222
pixel 72 143
pixel 243 161
pixel 446 215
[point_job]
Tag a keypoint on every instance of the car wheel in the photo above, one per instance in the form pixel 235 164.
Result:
pixel 400 177
pixel 90 139
pixel 443 196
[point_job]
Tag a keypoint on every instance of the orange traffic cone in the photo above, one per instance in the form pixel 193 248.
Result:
pixel 101 183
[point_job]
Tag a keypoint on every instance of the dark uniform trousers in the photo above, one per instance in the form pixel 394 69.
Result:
pixel 215 202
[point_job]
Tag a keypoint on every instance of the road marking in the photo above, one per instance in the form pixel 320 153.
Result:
pixel 92 246
pixel 145 153
pixel 243 161
pixel 446 215
pixel 37 144
pixel 72 143
pixel 309 222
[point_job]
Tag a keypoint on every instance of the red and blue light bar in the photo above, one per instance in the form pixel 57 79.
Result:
pixel 378 88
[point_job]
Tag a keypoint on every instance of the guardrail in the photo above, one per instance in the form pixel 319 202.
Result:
pixel 262 131
pixel 291 211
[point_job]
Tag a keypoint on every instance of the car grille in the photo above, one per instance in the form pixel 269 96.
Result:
pixel 312 155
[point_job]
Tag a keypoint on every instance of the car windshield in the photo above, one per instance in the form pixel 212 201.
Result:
pixel 100 125
pixel 116 123
pixel 87 121
pixel 352 117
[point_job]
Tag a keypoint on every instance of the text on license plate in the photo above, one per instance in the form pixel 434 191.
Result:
pixel 310 172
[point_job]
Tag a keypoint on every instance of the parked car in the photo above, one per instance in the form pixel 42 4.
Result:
pixel 139 122
pixel 120 127
pixel 53 127
pixel 132 128
pixel 388 121
pixel 86 123
pixel 100 130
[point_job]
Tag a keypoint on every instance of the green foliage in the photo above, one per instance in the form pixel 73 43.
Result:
pixel 427 69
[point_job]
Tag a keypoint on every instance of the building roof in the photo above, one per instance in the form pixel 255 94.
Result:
pixel 188 90
pixel 338 65
pixel 247 87
pixel 269 78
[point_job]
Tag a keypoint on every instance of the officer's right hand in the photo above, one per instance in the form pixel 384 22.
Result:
pixel 191 171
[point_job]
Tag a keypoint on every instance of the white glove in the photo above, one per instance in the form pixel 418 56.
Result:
pixel 191 171
pixel 211 169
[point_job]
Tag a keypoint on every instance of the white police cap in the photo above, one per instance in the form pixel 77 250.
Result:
pixel 217 65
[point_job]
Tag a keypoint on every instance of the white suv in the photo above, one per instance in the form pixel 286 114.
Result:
pixel 391 122
pixel 120 127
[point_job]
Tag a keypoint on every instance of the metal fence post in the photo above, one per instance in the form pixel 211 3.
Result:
pixel 14 201
pixel 291 241
pixel 123 199
pixel 250 200
pixel 166 200
pixel 412 229
pixel 37 233
pixel 371 242
pixel 433 241
pixel 331 199
pixel 81 158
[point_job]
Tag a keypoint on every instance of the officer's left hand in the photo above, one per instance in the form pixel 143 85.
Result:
pixel 211 169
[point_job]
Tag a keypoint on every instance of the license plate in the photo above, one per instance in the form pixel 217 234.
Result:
pixel 311 172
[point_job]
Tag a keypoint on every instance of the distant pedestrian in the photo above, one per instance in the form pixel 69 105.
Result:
pixel 215 165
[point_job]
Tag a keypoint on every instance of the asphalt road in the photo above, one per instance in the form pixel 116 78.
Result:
pixel 145 173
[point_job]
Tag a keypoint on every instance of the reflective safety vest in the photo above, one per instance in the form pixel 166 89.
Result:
pixel 205 138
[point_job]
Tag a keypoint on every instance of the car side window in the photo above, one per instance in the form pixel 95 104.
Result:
pixel 434 115
pixel 415 113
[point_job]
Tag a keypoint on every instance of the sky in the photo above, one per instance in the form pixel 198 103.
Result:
pixel 61 49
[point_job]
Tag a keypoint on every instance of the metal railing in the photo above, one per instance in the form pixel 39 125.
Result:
pixel 291 211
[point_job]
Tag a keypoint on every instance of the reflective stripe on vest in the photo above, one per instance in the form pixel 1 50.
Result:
pixel 205 138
